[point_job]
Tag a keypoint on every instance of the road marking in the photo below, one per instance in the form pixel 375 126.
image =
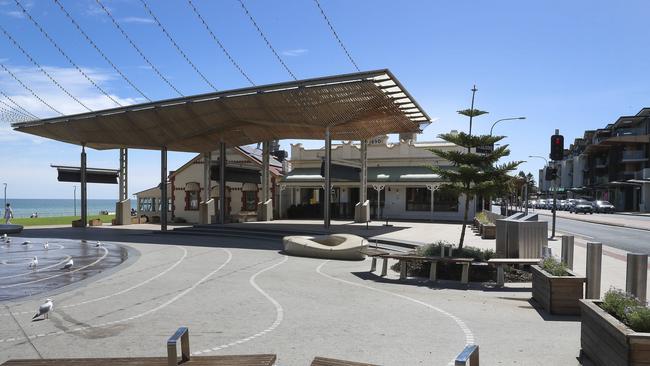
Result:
pixel 279 313
pixel 61 274
pixel 572 233
pixel 469 336
pixel 137 316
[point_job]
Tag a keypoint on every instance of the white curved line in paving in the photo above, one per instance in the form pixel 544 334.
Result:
pixel 469 336
pixel 38 269
pixel 119 292
pixel 137 316
pixel 60 274
pixel 279 313
pixel 27 250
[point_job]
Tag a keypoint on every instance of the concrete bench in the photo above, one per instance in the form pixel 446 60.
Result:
pixel 500 262
pixel 468 357
pixel 322 361
pixel 171 359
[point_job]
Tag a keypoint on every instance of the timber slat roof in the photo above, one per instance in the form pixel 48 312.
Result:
pixel 354 106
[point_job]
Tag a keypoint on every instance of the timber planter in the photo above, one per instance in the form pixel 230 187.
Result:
pixel 489 231
pixel 606 341
pixel 558 295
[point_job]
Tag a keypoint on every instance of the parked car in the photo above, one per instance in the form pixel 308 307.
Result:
pixel 583 206
pixel 604 207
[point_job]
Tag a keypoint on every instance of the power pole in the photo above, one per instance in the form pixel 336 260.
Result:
pixel 557 132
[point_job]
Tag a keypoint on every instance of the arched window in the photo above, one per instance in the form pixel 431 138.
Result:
pixel 192 194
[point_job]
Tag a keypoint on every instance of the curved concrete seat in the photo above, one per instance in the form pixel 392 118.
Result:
pixel 10 229
pixel 335 246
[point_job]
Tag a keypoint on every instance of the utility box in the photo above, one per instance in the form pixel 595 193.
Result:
pixel 521 236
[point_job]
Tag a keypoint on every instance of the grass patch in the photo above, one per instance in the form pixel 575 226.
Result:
pixel 58 220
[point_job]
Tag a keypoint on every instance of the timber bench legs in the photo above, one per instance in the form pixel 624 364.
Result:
pixel 464 278
pixel 384 267
pixel 373 265
pixel 433 272
pixel 403 268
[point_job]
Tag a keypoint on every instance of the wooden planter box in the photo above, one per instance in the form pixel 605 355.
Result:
pixel 606 341
pixel 95 222
pixel 77 223
pixel 489 231
pixel 558 295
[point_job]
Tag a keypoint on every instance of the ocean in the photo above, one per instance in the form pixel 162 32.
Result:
pixel 23 207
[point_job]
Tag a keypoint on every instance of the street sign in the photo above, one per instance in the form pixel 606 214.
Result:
pixel 486 149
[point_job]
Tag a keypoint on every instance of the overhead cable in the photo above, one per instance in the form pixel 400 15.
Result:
pixel 42 70
pixel 223 48
pixel 92 43
pixel 178 48
pixel 336 35
pixel 268 43
pixel 154 68
pixel 64 54
pixel 29 89
pixel 16 107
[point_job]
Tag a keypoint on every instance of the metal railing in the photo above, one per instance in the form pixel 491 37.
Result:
pixel 172 355
pixel 468 357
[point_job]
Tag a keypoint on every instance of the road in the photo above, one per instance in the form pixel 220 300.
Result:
pixel 631 240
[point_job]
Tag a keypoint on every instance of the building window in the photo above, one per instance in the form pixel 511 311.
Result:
pixel 250 200
pixel 145 204
pixel 445 200
pixel 169 204
pixel 191 200
pixel 418 199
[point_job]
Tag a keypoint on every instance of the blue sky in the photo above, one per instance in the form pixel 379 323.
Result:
pixel 572 65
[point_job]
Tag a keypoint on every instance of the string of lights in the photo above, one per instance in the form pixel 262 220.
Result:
pixel 178 48
pixel 18 105
pixel 336 35
pixel 11 116
pixel 64 54
pixel 30 89
pixel 154 68
pixel 22 111
pixel 268 43
pixel 223 48
pixel 33 61
pixel 92 43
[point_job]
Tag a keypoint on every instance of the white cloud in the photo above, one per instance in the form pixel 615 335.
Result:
pixel 15 14
pixel 136 20
pixel 295 52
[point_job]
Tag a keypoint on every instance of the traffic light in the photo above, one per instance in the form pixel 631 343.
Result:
pixel 551 173
pixel 557 147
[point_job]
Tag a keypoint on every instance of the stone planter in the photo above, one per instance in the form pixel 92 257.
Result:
pixel 489 231
pixel 95 222
pixel 606 341
pixel 558 295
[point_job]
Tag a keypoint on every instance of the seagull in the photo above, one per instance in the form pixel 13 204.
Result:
pixel 44 309
pixel 68 264
pixel 46 245
pixel 33 263
pixel 26 242
pixel 99 244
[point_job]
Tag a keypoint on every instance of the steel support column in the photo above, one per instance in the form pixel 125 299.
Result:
pixel 163 189
pixel 266 151
pixel 222 182
pixel 206 176
pixel 123 175
pixel 84 188
pixel 363 193
pixel 328 183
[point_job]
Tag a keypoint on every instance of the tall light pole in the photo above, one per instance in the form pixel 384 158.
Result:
pixel 554 186
pixel 504 119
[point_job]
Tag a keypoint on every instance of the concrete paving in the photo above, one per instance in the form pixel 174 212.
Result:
pixel 241 296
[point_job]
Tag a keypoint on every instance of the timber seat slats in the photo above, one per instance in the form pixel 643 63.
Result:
pixel 247 360
pixel 500 262
pixel 322 361
pixel 404 259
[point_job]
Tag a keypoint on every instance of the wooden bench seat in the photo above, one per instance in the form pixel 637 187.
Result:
pixel 247 360
pixel 501 262
pixel 322 361
pixel 404 259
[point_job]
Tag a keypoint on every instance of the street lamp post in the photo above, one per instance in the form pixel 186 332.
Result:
pixel 504 119
pixel 554 186
pixel 433 188
pixel 74 200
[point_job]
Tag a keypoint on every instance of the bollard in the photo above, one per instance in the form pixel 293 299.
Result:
pixel 594 265
pixel 636 280
pixel 567 250
pixel 442 250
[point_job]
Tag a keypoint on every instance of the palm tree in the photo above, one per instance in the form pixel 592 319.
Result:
pixel 473 174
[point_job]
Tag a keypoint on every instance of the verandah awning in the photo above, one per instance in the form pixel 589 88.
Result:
pixel 354 106
pixel 405 174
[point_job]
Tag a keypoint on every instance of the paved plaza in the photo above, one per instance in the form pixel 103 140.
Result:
pixel 243 296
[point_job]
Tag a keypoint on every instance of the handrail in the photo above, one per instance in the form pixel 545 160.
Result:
pixel 468 357
pixel 172 356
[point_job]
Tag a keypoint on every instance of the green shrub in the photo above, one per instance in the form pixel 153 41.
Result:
pixel 627 309
pixel 482 217
pixel 554 267
pixel 639 319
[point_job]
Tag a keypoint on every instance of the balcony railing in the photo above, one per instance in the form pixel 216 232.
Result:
pixel 629 132
pixel 643 174
pixel 633 155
